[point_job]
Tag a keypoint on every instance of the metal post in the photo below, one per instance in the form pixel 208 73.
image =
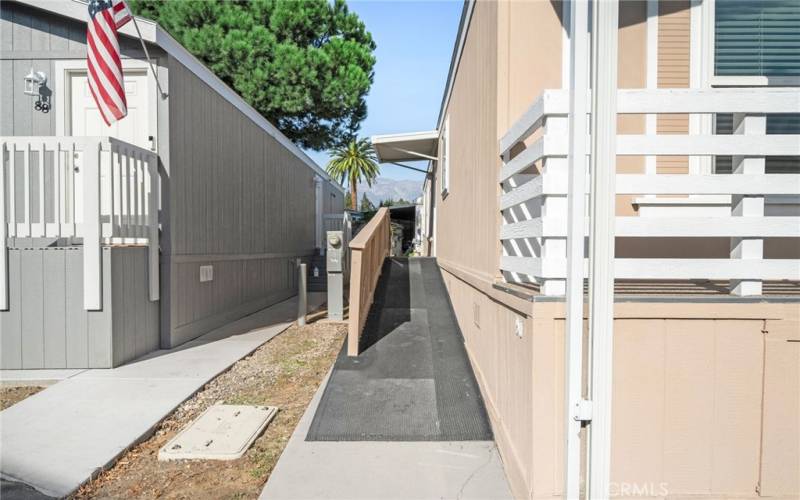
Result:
pixel 576 204
pixel 147 56
pixel 302 298
pixel 318 209
pixel 605 25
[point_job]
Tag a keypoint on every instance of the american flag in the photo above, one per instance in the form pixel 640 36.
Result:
pixel 103 57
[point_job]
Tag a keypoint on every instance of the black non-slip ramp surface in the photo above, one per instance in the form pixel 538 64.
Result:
pixel 413 380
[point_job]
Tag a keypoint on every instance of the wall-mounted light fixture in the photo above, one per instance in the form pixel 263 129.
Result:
pixel 35 82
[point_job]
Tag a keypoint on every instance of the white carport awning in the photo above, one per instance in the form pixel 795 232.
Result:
pixel 413 146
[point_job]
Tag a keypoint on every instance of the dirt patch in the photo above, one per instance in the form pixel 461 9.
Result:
pixel 13 395
pixel 285 372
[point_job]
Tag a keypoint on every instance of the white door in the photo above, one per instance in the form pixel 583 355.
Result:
pixel 85 120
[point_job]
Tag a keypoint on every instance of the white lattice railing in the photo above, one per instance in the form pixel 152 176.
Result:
pixel 749 204
pixel 90 190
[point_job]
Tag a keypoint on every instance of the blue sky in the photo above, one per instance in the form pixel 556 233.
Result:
pixel 415 42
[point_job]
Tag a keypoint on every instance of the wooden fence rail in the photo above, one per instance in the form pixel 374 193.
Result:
pixel 367 252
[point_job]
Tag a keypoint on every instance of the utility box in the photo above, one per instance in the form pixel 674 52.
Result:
pixel 334 256
pixel 334 251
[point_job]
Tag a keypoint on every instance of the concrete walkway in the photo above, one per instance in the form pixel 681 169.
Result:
pixel 384 469
pixel 59 438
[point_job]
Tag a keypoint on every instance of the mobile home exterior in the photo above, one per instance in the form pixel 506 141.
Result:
pixel 189 213
pixel 706 366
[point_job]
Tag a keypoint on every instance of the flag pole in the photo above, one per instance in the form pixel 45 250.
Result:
pixel 147 55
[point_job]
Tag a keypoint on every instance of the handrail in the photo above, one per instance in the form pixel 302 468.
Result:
pixel 368 251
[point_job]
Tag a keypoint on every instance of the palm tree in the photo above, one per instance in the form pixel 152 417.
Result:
pixel 354 162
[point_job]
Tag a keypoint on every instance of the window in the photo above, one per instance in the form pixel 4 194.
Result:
pixel 757 38
pixel 444 148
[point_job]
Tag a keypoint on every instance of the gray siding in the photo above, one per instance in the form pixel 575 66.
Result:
pixel 46 325
pixel 135 318
pixel 239 201
pixel 232 196
pixel 31 38
pixel 334 200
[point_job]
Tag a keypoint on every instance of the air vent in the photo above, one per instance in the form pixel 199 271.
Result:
pixel 206 273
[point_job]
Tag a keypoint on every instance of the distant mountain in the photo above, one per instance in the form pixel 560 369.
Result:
pixel 385 188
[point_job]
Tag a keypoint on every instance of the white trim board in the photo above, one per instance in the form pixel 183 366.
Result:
pixel 153 33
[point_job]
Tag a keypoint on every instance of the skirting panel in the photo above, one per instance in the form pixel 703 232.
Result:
pixel 46 325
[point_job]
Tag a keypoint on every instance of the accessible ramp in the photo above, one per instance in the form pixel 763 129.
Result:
pixel 412 380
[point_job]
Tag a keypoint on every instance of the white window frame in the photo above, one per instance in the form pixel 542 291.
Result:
pixel 709 39
pixel 445 163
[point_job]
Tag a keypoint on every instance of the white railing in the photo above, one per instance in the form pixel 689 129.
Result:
pixel 100 190
pixel 749 204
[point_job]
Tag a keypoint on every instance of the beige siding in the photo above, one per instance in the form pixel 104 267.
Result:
pixel 683 416
pixel 503 365
pixel 690 378
pixel 529 56
pixel 239 201
pixel 688 412
pixel 688 393
pixel 631 74
pixel 780 449
pixel 473 153
pixel 674 31
pixel 512 53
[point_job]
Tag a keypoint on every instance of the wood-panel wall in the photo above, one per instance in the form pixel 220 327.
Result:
pixel 238 201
